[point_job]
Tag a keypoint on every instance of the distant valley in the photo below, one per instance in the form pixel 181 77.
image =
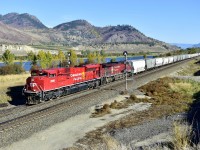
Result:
pixel 185 46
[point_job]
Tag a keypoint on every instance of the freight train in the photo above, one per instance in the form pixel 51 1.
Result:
pixel 47 84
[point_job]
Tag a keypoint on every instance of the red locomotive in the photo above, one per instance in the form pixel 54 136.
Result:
pixel 46 84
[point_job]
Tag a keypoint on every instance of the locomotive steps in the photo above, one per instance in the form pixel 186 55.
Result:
pixel 76 111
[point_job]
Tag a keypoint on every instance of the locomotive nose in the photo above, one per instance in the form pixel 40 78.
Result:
pixel 32 79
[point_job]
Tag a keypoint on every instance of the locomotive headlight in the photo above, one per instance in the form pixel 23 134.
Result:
pixel 32 84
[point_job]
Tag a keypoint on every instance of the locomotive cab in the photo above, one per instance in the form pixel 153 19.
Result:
pixel 40 81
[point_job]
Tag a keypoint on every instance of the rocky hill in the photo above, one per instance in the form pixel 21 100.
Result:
pixel 122 34
pixel 110 34
pixel 22 21
pixel 27 29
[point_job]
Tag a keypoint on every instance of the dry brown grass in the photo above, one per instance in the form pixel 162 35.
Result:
pixel 174 93
pixel 106 109
pixel 165 101
pixel 8 81
pixel 168 96
pixel 111 143
pixel 102 111
pixel 181 136
pixel 13 78
pixel 190 69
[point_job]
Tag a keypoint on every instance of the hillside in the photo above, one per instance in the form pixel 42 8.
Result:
pixel 22 21
pixel 12 35
pixel 110 34
pixel 27 29
pixel 122 34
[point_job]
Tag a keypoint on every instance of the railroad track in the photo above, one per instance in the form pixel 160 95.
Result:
pixel 73 102
pixel 12 124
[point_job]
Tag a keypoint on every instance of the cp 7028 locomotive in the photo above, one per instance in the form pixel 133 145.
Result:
pixel 46 84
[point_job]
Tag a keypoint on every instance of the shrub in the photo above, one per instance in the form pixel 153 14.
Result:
pixel 124 92
pixel 106 108
pixel 113 105
pixel 181 136
pixel 133 97
pixel 11 69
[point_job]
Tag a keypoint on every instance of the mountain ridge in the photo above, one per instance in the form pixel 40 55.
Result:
pixel 22 21
pixel 73 33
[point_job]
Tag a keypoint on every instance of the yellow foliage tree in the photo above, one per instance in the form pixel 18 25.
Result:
pixel 45 59
pixel 73 58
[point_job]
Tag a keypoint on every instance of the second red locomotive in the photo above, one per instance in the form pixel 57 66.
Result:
pixel 46 84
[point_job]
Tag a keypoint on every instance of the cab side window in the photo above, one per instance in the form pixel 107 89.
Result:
pixel 52 75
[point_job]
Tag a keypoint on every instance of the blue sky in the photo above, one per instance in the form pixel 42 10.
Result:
pixel 172 21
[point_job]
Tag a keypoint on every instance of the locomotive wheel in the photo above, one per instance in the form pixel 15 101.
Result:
pixel 32 100
pixel 96 84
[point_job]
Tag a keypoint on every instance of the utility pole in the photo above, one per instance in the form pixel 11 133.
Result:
pixel 125 54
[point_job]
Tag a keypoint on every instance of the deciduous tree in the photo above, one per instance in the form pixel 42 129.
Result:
pixel 8 57
pixel 73 58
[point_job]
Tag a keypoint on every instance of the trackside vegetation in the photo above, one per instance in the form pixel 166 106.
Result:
pixel 175 95
pixel 168 96
pixel 10 67
pixel 47 60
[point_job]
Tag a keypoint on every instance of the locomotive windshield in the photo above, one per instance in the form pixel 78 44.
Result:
pixel 43 74
pixel 34 74
pixel 37 73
